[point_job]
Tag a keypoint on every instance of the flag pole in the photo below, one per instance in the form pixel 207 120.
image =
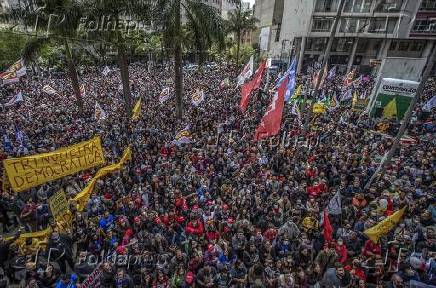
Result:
pixel 406 121
pixel 324 64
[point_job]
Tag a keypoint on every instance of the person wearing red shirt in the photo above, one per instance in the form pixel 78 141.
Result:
pixel 371 249
pixel 194 228
pixel 341 250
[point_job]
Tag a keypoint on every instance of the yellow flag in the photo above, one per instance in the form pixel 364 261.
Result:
pixel 297 92
pixel 355 96
pixel 136 110
pixel 390 109
pixel 83 197
pixel 319 108
pixel 375 232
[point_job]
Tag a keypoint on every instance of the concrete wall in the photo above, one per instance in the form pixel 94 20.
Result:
pixel 402 68
pixel 296 20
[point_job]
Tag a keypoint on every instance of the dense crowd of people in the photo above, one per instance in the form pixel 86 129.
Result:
pixel 221 211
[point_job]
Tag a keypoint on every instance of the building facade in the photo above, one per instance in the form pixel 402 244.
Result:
pixel 368 31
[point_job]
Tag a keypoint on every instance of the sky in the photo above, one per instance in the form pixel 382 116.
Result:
pixel 251 2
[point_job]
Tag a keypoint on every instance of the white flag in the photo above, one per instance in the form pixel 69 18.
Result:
pixel 246 72
pixel 334 207
pixel 183 136
pixel 430 104
pixel 14 100
pixel 296 111
pixel 347 95
pixel 106 70
pixel 164 95
pixel 82 90
pixel 100 114
pixel 49 90
pixel 197 97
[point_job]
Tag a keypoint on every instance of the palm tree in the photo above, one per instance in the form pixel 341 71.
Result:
pixel 240 22
pixel 204 22
pixel 112 16
pixel 55 21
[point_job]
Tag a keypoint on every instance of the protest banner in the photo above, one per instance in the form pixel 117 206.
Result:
pixel 83 197
pixel 59 209
pixel 30 171
pixel 93 279
pixel 39 240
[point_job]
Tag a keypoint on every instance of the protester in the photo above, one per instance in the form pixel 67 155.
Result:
pixel 218 210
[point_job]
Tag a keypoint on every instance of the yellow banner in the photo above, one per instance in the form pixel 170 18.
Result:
pixel 39 240
pixel 83 197
pixel 30 171
pixel 136 110
pixel 383 227
pixel 60 210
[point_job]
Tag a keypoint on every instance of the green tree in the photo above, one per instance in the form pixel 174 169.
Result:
pixel 11 46
pixel 116 26
pixel 243 52
pixel 203 21
pixel 53 20
pixel 240 22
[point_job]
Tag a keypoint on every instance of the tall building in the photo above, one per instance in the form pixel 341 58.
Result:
pixel 368 31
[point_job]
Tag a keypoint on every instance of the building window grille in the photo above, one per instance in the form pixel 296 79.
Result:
pixel 322 24
pixel 428 5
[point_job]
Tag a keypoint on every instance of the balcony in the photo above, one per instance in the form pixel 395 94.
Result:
pixel 424 28
pixel 428 6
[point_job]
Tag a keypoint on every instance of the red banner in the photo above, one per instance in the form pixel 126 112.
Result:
pixel 250 86
pixel 270 123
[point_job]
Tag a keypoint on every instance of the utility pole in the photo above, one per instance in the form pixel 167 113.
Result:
pixel 406 121
pixel 324 64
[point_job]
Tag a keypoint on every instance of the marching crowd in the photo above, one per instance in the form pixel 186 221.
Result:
pixel 221 211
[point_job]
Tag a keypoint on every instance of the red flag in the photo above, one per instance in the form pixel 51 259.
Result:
pixel 270 123
pixel 328 229
pixel 250 86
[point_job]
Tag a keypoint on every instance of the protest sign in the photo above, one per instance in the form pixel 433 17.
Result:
pixel 59 209
pixel 93 279
pixel 30 171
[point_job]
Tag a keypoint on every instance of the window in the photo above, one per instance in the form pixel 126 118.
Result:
pixel 424 26
pixel 393 46
pixel 377 25
pixel 428 5
pixel 362 46
pixel 342 45
pixel 348 25
pixel 316 44
pixel 363 23
pixel 326 6
pixel 392 23
pixel 389 6
pixel 403 46
pixel 322 24
pixel 360 6
pixel 382 25
pixel 417 46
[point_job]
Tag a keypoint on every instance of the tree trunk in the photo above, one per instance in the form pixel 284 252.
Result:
pixel 324 63
pixel 406 121
pixel 178 72
pixel 238 47
pixel 73 76
pixel 124 70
